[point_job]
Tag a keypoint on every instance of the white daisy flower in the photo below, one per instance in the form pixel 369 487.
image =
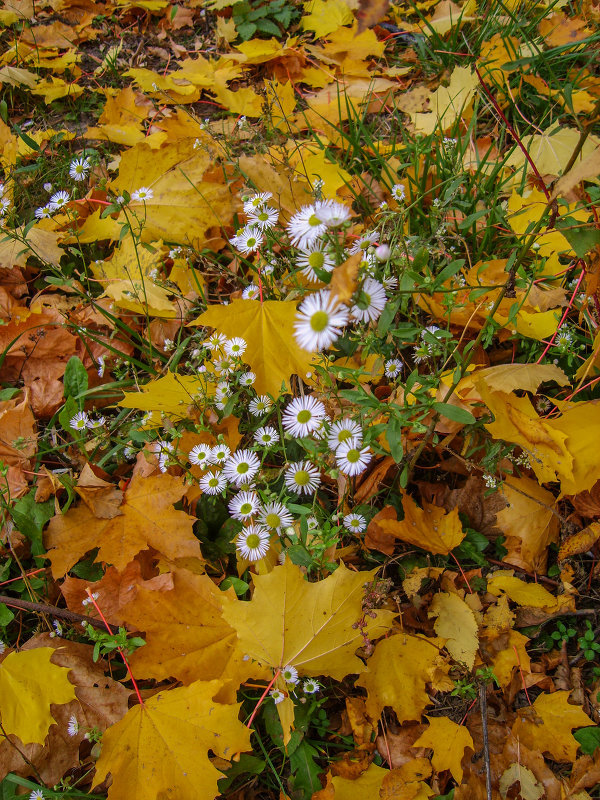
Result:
pixel 260 405
pixel 249 240
pixel 315 257
pixel 319 321
pixel 241 467
pixel 275 516
pixel 289 674
pixel 256 201
pixel 247 379
pixel 79 421
pixel 99 422
pixel 215 341
pixel 305 227
pixel 393 367
pixel 310 686
pixel 219 453
pixel 58 200
pixel 342 430
pixel 333 214
pixel 4 205
pixel 312 523
pixel 212 483
pixel 2 646
pixel 143 194
pixel 266 436
pixel 37 794
pixel 355 523
pixel 251 292
pixel 432 329
pixel 277 695
pixel 303 415
pixel 302 477
pixel 72 726
pixel 224 366
pixel 399 192
pixel 363 242
pixel 43 212
pixel 263 218
pixel 371 301
pixel 243 505
pixel 236 347
pixel 351 460
pixel 252 543
pixel 101 366
pixel 79 168
pixel 390 284
pixel 200 455
pixel 163 449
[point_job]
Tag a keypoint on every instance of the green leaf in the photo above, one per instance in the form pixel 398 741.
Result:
pixel 268 26
pixel 589 739
pixel 246 30
pixel 67 413
pixel 393 435
pixel 582 240
pixel 30 518
pixel 455 413
pixel 75 380
pixel 299 555
pixel 6 616
pixel 305 770
pixel 247 765
pixel 240 587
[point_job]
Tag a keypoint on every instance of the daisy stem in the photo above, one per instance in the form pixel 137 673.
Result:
pixel 262 697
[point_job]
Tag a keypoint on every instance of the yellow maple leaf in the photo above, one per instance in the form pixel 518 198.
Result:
pixel 546 726
pixel 532 595
pixel 161 748
pixel 448 102
pixel 129 261
pixel 314 632
pixel 186 202
pixel 449 742
pixel 53 88
pixel 399 670
pixel 527 523
pixel 326 16
pixel 366 786
pixel 29 683
pixel 551 150
pixel 455 623
pixel 268 329
pixel 172 395
pixel 430 528
pixel 141 297
pixel 186 636
pixel 147 519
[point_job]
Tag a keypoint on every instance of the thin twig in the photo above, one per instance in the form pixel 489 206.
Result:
pixel 486 741
pixel 52 611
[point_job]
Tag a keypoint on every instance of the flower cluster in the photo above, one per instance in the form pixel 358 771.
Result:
pixel 321 238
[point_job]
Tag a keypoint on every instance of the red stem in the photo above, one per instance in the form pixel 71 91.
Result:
pixel 121 653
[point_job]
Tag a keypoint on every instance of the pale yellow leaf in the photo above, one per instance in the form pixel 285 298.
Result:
pixel 456 623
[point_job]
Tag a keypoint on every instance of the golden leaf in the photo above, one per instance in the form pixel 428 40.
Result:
pixel 161 748
pixel 399 671
pixel 147 519
pixel 448 742
pixel 268 329
pixel 455 623
pixel 29 683
pixel 186 202
pixel 546 726
pixel 429 528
